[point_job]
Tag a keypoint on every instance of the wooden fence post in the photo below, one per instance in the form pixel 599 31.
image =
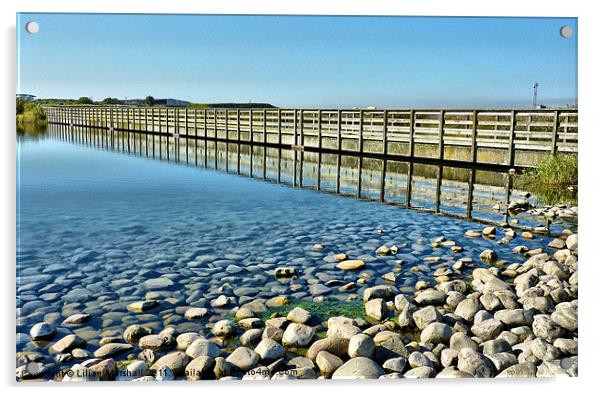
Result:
pixel 319 138
pixel 279 137
pixel 511 152
pixel 441 131
pixel 361 137
pixel 385 131
pixel 339 130
pixel 238 128
pixel 251 127
pixel 555 132
pixel 473 145
pixel 265 127
pixel 411 135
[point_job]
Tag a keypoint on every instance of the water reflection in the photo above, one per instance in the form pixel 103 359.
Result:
pixel 460 192
pixel 31 130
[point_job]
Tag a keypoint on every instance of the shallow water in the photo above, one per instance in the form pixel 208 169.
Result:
pixel 95 226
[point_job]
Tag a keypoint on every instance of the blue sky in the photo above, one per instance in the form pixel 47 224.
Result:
pixel 301 61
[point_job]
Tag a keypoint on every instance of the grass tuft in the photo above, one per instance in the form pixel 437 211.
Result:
pixel 554 180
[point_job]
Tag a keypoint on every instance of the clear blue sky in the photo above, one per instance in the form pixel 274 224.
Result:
pixel 301 61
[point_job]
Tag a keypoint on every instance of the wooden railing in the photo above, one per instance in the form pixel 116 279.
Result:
pixel 472 135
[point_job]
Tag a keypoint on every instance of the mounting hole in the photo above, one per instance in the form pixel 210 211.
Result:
pixel 32 27
pixel 566 31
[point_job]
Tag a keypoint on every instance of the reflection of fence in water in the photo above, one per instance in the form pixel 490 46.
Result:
pixel 461 192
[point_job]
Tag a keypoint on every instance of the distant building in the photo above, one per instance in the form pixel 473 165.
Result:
pixel 25 96
pixel 159 102
pixel 171 102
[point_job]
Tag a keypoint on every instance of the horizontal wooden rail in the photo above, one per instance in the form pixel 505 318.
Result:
pixel 473 136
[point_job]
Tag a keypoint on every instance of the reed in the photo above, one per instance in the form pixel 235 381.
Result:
pixel 554 180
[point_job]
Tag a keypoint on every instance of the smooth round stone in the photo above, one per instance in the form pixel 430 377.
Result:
pixel 359 368
pixel 134 333
pixel 420 372
pixel 76 319
pixel 252 336
pixel 136 369
pixel 417 359
pixel 243 358
pixel 298 315
pixel 269 350
pixel 79 353
pixel 142 306
pixel 297 335
pixel 199 368
pixel 395 364
pixel 160 283
pixel 361 345
pixel 436 333
pixel 112 349
pixel 42 331
pixel 203 347
pixel 354 264
pixel 156 342
pixel 224 328
pixel 184 340
pixel 175 361
pixel 430 296
pixel 195 313
pixel 327 362
pixel 68 343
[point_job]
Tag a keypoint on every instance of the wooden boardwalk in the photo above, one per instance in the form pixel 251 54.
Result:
pixel 492 139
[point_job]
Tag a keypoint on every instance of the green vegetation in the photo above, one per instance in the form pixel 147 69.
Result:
pixel 29 112
pixel 85 100
pixel 554 180
pixel 321 311
pixel 110 100
pixel 149 101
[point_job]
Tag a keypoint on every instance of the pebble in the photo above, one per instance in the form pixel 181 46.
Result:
pixel 359 368
pixel 297 335
pixel 142 306
pixel 224 328
pixel 269 350
pixel 195 313
pixel 243 358
pixel 361 345
pixel 354 264
pixel 42 331
pixel 68 343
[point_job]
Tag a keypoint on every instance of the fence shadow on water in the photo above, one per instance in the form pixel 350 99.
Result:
pixel 461 192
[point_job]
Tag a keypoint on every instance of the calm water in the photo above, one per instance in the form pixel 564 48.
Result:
pixel 95 226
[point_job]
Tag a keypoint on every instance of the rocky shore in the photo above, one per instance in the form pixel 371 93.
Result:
pixel 492 319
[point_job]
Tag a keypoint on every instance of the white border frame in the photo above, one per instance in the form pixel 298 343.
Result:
pixel 590 132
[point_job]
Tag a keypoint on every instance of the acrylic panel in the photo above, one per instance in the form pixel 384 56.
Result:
pixel 254 197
